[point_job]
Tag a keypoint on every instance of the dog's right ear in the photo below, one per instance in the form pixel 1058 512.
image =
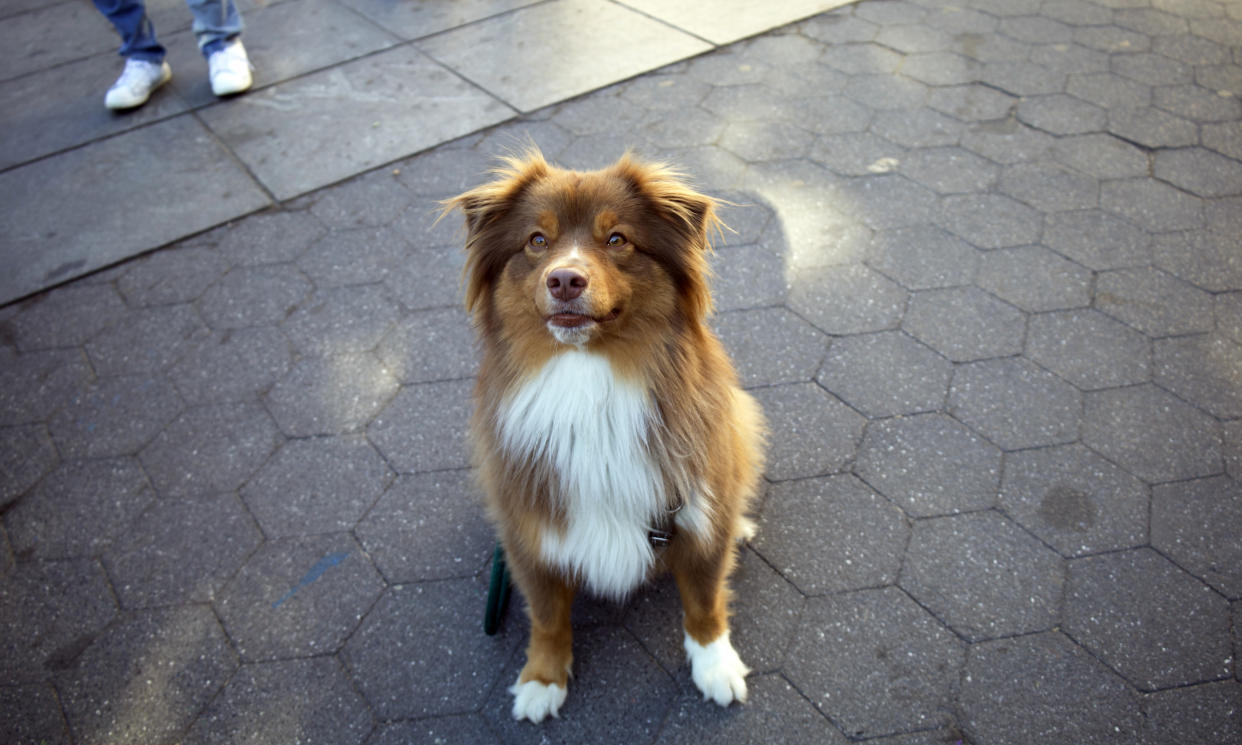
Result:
pixel 484 208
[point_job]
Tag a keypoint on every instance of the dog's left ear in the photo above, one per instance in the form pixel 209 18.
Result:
pixel 691 223
pixel 484 208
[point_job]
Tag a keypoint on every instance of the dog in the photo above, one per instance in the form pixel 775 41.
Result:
pixel 611 438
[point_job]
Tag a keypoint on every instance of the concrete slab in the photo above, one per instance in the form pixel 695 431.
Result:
pixel 733 19
pixel 514 58
pixel 119 197
pixel 319 129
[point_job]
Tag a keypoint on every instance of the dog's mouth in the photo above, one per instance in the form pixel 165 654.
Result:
pixel 572 320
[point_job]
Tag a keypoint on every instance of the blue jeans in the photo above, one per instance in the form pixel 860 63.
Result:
pixel 215 23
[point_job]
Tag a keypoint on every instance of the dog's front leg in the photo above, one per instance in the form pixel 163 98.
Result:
pixel 543 683
pixel 714 664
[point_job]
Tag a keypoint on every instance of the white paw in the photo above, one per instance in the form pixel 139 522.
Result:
pixel 536 701
pixel 746 530
pixel 717 670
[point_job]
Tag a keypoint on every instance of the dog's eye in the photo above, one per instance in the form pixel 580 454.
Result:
pixel 616 240
pixel 538 241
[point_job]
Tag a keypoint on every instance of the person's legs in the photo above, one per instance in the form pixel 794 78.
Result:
pixel 129 17
pixel 216 22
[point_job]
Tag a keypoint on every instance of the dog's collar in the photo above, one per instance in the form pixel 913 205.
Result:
pixel 662 534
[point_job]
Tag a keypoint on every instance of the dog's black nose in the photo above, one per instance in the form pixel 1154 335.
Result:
pixel 566 284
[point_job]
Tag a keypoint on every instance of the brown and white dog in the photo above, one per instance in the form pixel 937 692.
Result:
pixel 610 435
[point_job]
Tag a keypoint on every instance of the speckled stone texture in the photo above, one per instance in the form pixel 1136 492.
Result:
pixel 982 273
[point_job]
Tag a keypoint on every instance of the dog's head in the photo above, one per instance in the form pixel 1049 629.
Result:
pixel 585 256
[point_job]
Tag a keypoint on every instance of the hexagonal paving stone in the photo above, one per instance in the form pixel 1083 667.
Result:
pixel 31 713
pixel 354 257
pixel 421 651
pixel 1233 449
pixel 1035 279
pixel 177 275
pixel 33 385
pixel 773 707
pixel 983 576
pixel 1074 500
pixel 747 277
pixel 1008 142
pixel 1228 308
pixel 428 526
pixel 971 103
pixel 1196 523
pixel 950 170
pixel 1108 90
pixel 450 730
pixel 308 700
pixel 1152 128
pixel 922 128
pixel 856 153
pixel 614 680
pixel 210 449
pixel 1100 155
pixel 253 296
pixel 929 464
pixel 1048 689
pixel 145 340
pixel 1015 404
pixel 143 680
pixel 886 373
pixel 1153 302
pixel 1049 187
pixel 267 237
pixel 1089 349
pixel 342 320
pixel 965 323
pixel 331 395
pixel 888 200
pixel 372 199
pixel 67 317
pixel 168 557
pixel 79 508
pixel 1204 370
pixel 431 345
pixel 1148 620
pixel 1199 171
pixel 49 612
pixel 770 346
pixel 766 612
pixel 1208 258
pixel 811 432
pixel 429 278
pixel 989 220
pixel 1203 713
pixel 1097 239
pixel 317 485
pixel 765 141
pixel 847 299
pixel 858 537
pixel 1152 205
pixel 424 427
pixel 1060 114
pixel 1224 138
pixel 114 416
pixel 298 597
pixel 923 257
pixel 1133 427
pixel 232 365
pixel 875 662
pixel 26 454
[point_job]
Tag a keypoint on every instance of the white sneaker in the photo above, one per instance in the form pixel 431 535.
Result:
pixel 229 69
pixel 138 80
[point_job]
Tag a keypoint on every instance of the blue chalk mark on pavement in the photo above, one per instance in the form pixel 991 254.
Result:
pixel 317 571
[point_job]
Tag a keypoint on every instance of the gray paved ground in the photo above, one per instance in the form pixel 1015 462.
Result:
pixel 986 281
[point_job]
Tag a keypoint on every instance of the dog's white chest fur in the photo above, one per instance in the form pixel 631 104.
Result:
pixel 591 427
